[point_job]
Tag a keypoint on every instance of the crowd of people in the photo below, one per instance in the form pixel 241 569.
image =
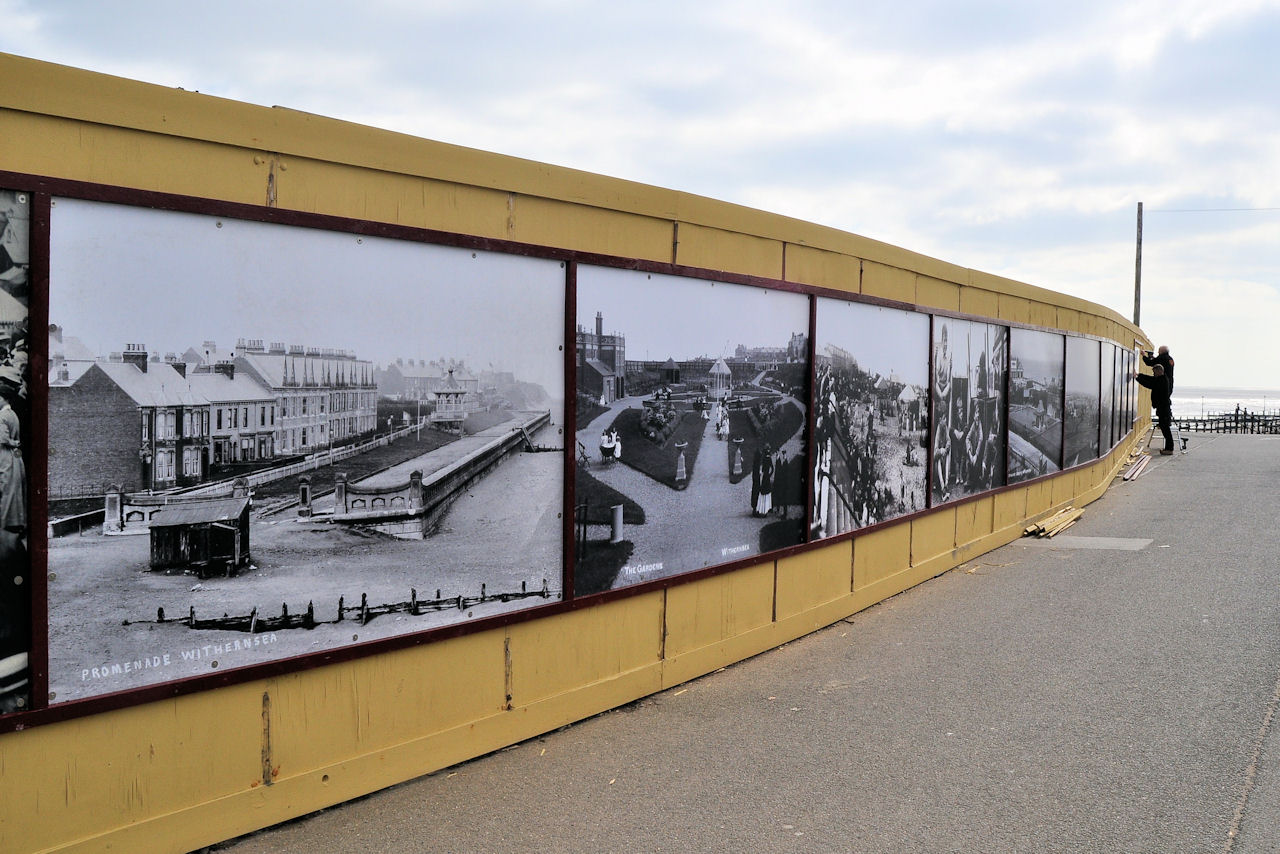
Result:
pixel 856 446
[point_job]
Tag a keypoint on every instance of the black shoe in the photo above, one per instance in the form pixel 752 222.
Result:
pixel 1166 453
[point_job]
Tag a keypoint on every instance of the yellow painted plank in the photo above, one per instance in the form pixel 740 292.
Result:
pixel 933 535
pixel 881 553
pixel 980 302
pixel 589 229
pixel 78 778
pixel 896 283
pixel 935 293
pixel 1014 309
pixel 974 520
pixel 823 269
pixel 718 249
pixel 545 659
pixel 375 703
pixel 338 190
pixel 711 610
pixel 813 578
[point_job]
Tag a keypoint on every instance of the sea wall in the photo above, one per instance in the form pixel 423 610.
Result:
pixel 191 765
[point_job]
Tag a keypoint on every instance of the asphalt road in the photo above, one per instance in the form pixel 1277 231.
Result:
pixel 1112 690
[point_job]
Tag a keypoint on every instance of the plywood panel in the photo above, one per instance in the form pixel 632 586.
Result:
pixel 58 148
pixel 714 609
pixel 935 293
pixel 373 703
pixel 560 653
pixel 933 535
pixel 83 777
pixel 1014 309
pixel 982 303
pixel 885 282
pixel 549 223
pixel 717 249
pixel 813 578
pixel 974 520
pixel 328 188
pixel 823 269
pixel 1010 508
pixel 880 554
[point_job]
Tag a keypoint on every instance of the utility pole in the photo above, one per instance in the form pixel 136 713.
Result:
pixel 1137 274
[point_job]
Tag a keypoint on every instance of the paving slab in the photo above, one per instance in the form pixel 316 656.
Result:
pixel 1042 697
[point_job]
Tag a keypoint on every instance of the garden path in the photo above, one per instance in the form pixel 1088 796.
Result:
pixel 705 524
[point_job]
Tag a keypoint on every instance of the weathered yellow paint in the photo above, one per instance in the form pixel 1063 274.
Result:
pixel 1009 508
pixel 979 302
pixel 808 580
pixel 823 269
pixel 54 147
pixel 544 222
pixel 885 282
pixel 974 520
pixel 933 535
pixel 712 610
pixel 377 703
pixel 731 251
pixel 1014 309
pixel 880 554
pixel 934 293
pixel 626 636
pixel 1043 314
pixel 75 779
pixel 341 190
pixel 1039 498
pixel 179 774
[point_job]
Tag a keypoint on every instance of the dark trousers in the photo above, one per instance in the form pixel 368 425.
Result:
pixel 1164 416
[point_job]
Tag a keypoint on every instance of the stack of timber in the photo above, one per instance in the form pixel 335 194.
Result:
pixel 1054 525
pixel 1138 467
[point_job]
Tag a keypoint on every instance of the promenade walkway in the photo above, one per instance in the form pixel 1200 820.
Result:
pixel 437 459
pixel 1111 690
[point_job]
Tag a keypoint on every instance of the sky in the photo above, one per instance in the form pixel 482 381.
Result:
pixel 170 281
pixel 1011 137
pixel 673 317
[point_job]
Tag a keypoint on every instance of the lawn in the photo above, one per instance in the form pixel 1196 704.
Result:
pixel 600 498
pixel 659 461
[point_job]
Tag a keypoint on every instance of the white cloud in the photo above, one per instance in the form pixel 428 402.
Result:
pixel 1017 140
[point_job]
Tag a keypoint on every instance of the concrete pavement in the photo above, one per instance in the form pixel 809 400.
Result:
pixel 1110 691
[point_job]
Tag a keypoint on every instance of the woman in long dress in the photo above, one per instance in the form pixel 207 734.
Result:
pixel 13 474
pixel 764 500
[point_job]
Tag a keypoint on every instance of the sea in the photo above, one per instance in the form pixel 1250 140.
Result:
pixel 1198 401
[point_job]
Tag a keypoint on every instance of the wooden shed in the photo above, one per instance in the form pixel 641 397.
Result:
pixel 208 536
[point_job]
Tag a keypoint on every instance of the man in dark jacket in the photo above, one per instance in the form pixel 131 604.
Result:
pixel 1159 385
pixel 1163 359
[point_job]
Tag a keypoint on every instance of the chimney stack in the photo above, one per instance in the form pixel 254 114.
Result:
pixel 136 355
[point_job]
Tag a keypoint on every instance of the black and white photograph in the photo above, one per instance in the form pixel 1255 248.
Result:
pixel 1107 377
pixel 970 367
pixel 690 433
pixel 871 418
pixel 15 564
pixel 1035 403
pixel 269 440
pixel 1084 358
